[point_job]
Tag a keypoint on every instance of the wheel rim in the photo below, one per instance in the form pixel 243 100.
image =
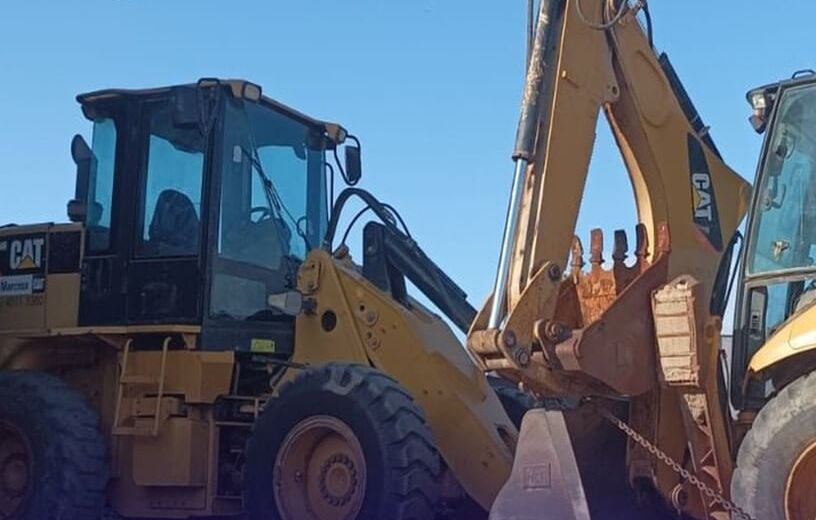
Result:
pixel 15 470
pixel 320 471
pixel 800 499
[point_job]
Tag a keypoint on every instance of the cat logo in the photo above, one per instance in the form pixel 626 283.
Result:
pixel 701 184
pixel 23 254
pixel 703 199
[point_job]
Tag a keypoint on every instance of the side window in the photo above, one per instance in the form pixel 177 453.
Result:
pixel 171 204
pixel 100 189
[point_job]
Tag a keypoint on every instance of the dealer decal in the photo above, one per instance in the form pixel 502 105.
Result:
pixel 21 285
pixel 703 199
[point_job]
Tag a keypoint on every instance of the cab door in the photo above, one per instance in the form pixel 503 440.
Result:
pixel 165 269
pixel 271 209
pixel 103 298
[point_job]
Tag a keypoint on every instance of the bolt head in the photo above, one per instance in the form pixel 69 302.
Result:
pixel 522 357
pixel 555 331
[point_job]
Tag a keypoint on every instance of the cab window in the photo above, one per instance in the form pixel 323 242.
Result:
pixel 100 189
pixel 272 207
pixel 784 232
pixel 171 200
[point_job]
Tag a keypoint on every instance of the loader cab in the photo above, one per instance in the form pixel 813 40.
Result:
pixel 199 203
pixel 778 269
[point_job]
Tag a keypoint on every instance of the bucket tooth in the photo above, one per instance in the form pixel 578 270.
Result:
pixel 663 240
pixel 642 242
pixel 623 275
pixel 577 262
pixel 621 247
pixel 596 249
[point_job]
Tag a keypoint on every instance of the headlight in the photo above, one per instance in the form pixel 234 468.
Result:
pixel 251 91
pixel 759 101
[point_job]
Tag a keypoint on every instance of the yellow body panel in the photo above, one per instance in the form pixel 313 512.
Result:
pixel 796 336
pixel 471 429
pixel 53 305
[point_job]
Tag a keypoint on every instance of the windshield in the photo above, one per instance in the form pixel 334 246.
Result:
pixel 783 234
pixel 273 189
pixel 273 207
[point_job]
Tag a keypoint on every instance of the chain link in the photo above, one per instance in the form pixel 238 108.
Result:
pixel 663 457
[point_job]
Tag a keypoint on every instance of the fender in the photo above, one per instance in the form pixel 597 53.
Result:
pixel 793 338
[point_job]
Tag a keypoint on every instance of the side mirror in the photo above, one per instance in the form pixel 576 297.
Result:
pixel 289 302
pixel 354 165
pixel 85 165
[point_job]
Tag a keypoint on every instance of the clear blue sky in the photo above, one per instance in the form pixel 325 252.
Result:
pixel 432 87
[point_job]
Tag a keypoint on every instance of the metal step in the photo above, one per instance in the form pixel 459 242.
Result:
pixel 133 431
pixel 139 380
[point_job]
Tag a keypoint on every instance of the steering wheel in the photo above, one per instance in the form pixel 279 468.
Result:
pixel 264 213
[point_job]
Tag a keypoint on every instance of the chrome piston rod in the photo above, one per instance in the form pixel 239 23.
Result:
pixel 510 227
pixel 524 149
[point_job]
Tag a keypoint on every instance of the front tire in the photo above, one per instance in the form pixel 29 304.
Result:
pixel 776 464
pixel 341 441
pixel 52 455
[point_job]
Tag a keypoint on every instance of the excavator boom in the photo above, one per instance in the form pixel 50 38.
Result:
pixel 647 331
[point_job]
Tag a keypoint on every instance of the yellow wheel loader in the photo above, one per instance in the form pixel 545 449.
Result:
pixel 195 343
pixel 711 433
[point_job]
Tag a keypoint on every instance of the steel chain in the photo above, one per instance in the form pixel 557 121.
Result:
pixel 663 457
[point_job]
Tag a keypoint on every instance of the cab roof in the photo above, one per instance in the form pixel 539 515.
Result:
pixel 800 77
pixel 239 88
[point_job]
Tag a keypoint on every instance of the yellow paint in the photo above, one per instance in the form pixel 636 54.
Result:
pixel 417 349
pixel 796 336
pixel 27 263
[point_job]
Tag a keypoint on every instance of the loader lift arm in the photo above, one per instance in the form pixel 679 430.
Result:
pixel 390 256
pixel 590 334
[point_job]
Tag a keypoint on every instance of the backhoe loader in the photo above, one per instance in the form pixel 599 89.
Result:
pixel 712 434
pixel 196 343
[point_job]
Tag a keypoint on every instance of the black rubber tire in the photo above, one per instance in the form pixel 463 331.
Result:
pixel 515 402
pixel 784 427
pixel 69 455
pixel 403 465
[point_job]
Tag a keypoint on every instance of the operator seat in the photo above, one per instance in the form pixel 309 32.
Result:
pixel 174 228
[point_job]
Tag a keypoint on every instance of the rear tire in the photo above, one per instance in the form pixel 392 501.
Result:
pixel 782 431
pixel 52 454
pixel 361 411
